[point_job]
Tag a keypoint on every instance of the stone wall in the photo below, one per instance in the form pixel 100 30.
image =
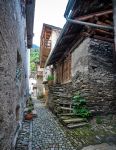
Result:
pixel 92 75
pixel 40 86
pixel 12 87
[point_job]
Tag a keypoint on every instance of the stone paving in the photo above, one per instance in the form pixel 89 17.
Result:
pixel 23 138
pixel 47 134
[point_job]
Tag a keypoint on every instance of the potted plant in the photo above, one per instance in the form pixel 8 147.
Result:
pixel 50 79
pixel 29 115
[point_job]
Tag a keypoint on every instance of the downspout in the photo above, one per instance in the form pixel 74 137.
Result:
pixel 89 24
pixel 114 19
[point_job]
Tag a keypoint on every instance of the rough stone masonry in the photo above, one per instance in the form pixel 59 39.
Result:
pixel 93 75
pixel 12 69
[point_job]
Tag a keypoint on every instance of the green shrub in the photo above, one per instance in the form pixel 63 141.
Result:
pixel 50 77
pixel 30 109
pixel 79 106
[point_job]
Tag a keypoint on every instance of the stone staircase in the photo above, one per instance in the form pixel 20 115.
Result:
pixel 62 107
pixel 61 100
pixel 73 121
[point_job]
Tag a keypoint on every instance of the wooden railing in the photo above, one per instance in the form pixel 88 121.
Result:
pixel 46 43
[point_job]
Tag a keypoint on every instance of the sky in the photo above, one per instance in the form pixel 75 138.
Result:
pixel 50 12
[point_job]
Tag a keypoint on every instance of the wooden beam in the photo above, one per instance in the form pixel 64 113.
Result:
pixel 103 38
pixel 104 33
pixel 103 23
pixel 108 22
pixel 97 14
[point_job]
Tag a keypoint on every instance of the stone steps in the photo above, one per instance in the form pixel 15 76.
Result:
pixel 64 102
pixel 61 96
pixel 77 125
pixel 66 108
pixel 66 114
pixel 73 120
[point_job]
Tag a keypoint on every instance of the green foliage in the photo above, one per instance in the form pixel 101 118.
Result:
pixel 99 120
pixel 34 58
pixel 79 106
pixel 30 103
pixel 30 110
pixel 50 77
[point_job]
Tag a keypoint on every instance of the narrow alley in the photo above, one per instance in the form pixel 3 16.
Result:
pixel 57 74
pixel 45 132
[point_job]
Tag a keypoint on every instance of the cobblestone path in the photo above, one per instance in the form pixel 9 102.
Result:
pixel 47 134
pixel 43 133
pixel 23 139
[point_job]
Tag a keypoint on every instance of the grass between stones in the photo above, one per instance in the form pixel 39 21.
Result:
pixel 93 133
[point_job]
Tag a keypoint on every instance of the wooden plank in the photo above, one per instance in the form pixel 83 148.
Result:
pixel 97 14
pixel 103 38
pixel 103 32
pixel 102 23
pixel 109 22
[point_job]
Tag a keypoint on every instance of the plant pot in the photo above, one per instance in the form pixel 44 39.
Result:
pixel 50 82
pixel 29 116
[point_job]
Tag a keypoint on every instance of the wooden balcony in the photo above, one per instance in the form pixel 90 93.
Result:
pixel 45 48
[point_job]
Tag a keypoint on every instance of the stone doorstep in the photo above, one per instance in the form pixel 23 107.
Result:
pixel 67 114
pixel 73 120
pixel 66 108
pixel 71 126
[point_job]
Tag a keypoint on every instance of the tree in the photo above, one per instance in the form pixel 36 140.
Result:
pixel 34 58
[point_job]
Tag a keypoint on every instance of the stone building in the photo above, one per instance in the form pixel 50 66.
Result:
pixel 16 33
pixel 40 86
pixel 83 57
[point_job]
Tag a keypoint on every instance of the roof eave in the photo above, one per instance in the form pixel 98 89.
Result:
pixel 30 9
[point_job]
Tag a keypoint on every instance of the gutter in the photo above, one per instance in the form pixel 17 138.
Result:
pixel 69 7
pixel 75 22
pixel 89 24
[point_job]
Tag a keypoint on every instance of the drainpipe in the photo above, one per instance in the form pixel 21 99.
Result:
pixel 89 24
pixel 114 19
